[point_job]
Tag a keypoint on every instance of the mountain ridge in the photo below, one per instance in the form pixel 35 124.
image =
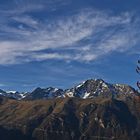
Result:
pixel 91 110
pixel 70 119
pixel 87 89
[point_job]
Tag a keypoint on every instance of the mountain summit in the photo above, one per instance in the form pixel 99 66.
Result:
pixel 87 89
pixel 91 110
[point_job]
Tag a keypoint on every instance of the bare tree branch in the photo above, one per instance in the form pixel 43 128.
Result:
pixel 138 71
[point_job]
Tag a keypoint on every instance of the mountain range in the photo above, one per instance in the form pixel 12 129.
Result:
pixel 87 89
pixel 92 110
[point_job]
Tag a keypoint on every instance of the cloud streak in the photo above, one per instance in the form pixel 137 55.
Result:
pixel 84 36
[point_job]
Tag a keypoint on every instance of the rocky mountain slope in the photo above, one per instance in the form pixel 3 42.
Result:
pixel 13 94
pixel 88 89
pixel 93 110
pixel 70 119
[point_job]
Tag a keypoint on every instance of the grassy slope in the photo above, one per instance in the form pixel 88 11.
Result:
pixel 70 118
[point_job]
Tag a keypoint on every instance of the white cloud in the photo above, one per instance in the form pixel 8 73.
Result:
pixel 85 36
pixel 27 20
pixel 50 56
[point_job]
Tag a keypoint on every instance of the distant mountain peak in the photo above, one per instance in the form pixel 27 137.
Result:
pixel 11 92
pixel 98 87
pixel 90 88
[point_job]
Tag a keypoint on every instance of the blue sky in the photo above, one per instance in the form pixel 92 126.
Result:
pixel 63 42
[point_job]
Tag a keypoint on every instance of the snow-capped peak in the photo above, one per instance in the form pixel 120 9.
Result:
pixel 81 84
pixel 11 92
pixel 87 89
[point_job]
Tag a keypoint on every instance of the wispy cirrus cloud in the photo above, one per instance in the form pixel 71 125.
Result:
pixel 83 36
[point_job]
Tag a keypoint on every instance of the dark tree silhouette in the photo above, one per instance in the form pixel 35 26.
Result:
pixel 138 71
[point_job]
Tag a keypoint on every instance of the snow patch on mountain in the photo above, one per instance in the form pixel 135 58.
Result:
pixel 11 92
pixel 87 89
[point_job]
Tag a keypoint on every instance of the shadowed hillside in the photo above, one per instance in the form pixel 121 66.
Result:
pixel 70 119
